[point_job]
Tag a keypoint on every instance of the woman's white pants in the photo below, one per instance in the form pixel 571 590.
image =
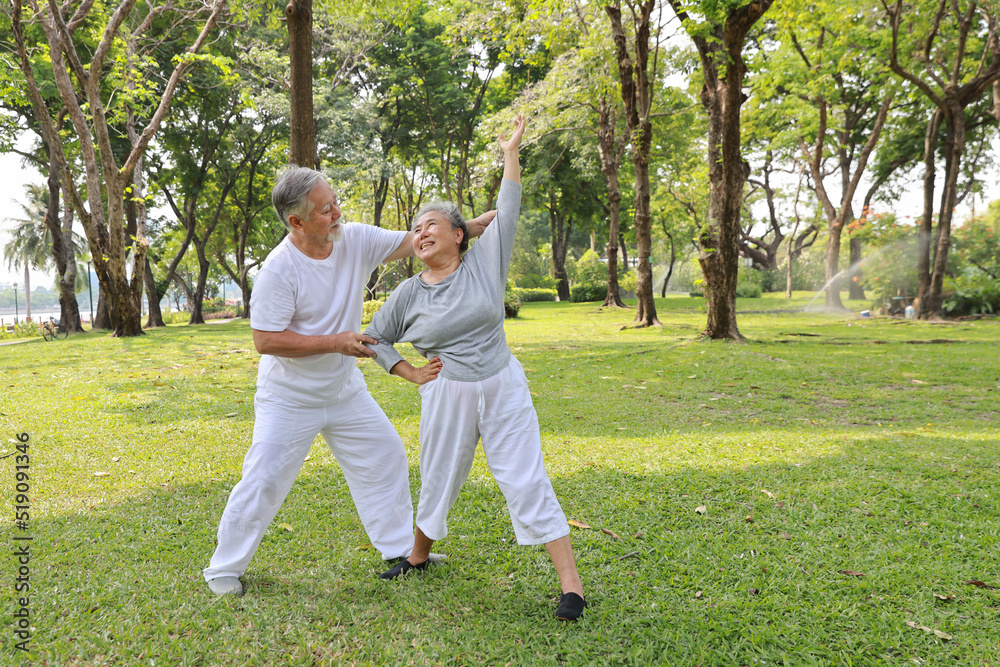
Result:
pixel 453 417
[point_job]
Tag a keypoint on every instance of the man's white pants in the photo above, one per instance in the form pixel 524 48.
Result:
pixel 365 445
pixel 453 416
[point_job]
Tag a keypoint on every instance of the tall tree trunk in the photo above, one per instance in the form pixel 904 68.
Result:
pixel 560 230
pixel 954 117
pixel 610 162
pixel 27 291
pixel 721 46
pixel 673 259
pixel 927 219
pixel 153 297
pixel 302 148
pixel 854 288
pixel 636 92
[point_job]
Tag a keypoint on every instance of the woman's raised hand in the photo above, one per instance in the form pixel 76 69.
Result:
pixel 507 145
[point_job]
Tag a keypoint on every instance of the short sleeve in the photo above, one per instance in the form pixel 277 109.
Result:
pixel 272 302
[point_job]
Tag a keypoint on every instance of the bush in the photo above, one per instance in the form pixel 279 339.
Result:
pixel 588 292
pixel 972 297
pixel 26 328
pixel 536 281
pixel 175 316
pixel 511 301
pixel 227 313
pixel 748 283
pixel 369 309
pixel 628 282
pixel 528 295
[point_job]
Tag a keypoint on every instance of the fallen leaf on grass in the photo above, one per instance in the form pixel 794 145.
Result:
pixel 610 532
pixel 117 459
pixel 950 596
pixel 786 536
pixel 937 633
pixel 698 594
pixel 101 474
pixel 578 524
pixel 754 591
pixel 285 526
pixel 851 573
pixel 979 584
pixel 701 509
pixel 768 493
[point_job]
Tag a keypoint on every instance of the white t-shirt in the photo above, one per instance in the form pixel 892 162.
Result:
pixel 316 297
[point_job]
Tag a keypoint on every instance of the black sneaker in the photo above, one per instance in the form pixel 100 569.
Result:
pixel 401 568
pixel 571 607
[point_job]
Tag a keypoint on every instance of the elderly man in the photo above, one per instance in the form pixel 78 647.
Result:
pixel 306 317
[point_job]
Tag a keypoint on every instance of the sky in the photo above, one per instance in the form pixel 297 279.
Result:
pixel 14 176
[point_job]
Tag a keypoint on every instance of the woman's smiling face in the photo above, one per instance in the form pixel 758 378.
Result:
pixel 434 239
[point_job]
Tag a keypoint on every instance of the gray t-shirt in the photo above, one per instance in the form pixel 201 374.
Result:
pixel 460 319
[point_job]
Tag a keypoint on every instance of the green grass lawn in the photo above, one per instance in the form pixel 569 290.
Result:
pixel 804 498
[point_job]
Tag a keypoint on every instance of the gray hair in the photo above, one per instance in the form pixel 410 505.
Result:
pixel 290 195
pixel 451 213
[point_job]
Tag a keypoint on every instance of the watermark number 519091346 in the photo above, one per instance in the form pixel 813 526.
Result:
pixel 22 542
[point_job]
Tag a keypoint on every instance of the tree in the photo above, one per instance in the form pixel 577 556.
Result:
pixel 846 103
pixel 302 147
pixel 719 37
pixel 636 78
pixel 106 176
pixel 956 47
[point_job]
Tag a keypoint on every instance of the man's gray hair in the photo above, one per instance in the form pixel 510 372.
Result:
pixel 451 213
pixel 290 195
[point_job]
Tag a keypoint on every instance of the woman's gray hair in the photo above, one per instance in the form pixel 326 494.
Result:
pixel 290 195
pixel 451 214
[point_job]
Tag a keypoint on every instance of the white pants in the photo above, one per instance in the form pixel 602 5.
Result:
pixel 453 416
pixel 365 445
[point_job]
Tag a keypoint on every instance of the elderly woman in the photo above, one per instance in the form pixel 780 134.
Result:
pixel 453 315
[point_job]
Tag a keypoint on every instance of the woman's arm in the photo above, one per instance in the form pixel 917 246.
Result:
pixel 511 164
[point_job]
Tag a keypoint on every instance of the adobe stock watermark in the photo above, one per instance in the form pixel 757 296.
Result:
pixel 21 552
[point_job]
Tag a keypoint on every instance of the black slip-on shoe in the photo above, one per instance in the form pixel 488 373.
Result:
pixel 401 568
pixel 571 607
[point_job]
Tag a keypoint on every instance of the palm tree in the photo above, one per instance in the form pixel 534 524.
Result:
pixel 31 241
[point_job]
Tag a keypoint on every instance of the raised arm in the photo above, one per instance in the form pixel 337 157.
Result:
pixel 476 225
pixel 511 164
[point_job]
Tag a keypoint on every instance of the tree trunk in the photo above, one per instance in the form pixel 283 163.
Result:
pixel 927 220
pixel 854 288
pixel 673 259
pixel 637 95
pixel 302 148
pixel 610 163
pixel 27 291
pixel 560 229
pixel 102 319
pixel 722 96
pixel 153 297
pixel 954 117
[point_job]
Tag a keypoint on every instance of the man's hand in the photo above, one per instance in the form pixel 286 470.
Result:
pixel 478 225
pixel 294 345
pixel 351 344
pixel 422 375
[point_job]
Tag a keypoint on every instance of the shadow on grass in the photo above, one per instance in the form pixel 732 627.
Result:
pixel 819 561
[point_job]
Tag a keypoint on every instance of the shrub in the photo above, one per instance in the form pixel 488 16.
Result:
pixel 536 281
pixel 628 282
pixel 528 295
pixel 972 297
pixel 369 309
pixel 511 301
pixel 588 292
pixel 748 290
pixel 26 328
